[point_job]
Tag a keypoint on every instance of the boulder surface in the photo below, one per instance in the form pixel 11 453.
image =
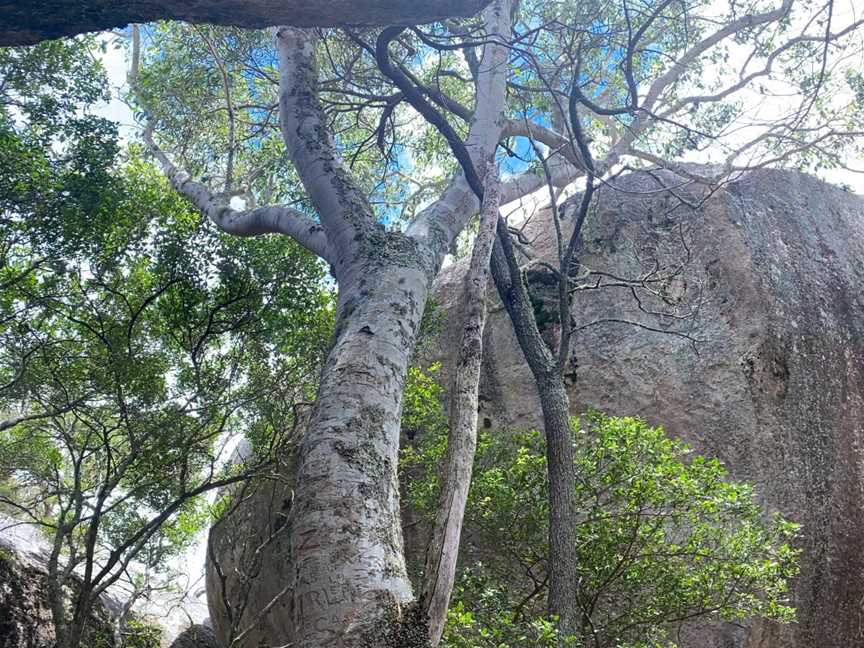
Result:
pixel 734 319
pixel 25 611
pixel 756 357
pixel 197 636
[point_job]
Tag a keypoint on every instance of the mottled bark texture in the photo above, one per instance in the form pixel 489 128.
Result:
pixel 26 23
pixel 549 385
pixel 345 537
pixel 777 389
pixel 443 551
pixel 337 575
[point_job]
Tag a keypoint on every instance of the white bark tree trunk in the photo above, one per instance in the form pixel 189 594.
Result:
pixel 443 551
pixel 345 566
pixel 350 580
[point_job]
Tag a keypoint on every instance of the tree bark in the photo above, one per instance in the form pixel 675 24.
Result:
pixel 350 584
pixel 345 537
pixel 345 568
pixel 563 576
pixel 26 23
pixel 443 551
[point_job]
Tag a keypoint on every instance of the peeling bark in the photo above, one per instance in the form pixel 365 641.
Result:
pixel 26 23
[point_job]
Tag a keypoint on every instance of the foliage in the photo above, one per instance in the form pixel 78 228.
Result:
pixel 135 339
pixel 58 158
pixel 48 84
pixel 421 405
pixel 129 368
pixel 133 336
pixel 493 624
pixel 140 634
pixel 664 537
pixel 213 92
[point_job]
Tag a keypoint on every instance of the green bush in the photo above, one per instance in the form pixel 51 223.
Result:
pixel 140 634
pixel 665 538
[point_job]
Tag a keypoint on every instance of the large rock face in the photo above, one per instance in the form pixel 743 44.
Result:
pixel 246 595
pixel 25 613
pixel 773 270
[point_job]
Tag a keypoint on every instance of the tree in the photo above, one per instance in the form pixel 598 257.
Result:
pixel 646 106
pixel 136 344
pixel 129 383
pixel 443 550
pixel 542 75
pixel 347 492
pixel 664 539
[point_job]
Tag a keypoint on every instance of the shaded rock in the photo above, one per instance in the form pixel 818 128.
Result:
pixel 25 615
pixel 25 612
pixel 772 293
pixel 197 636
pixel 244 594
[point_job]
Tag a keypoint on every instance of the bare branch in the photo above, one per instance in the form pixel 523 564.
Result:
pixel 275 219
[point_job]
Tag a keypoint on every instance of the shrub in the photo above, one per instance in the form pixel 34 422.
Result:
pixel 665 538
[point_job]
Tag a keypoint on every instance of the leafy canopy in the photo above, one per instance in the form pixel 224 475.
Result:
pixel 135 339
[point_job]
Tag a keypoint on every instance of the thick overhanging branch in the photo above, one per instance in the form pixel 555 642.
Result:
pixel 562 173
pixel 26 23
pixel 548 136
pixel 274 219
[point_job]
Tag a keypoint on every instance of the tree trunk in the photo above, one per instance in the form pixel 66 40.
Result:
pixel 75 630
pixel 350 580
pixel 563 581
pixel 345 567
pixel 443 552
pixel 563 576
pixel 56 598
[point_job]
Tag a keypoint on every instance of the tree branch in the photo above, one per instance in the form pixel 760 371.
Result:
pixel 274 219
pixel 343 207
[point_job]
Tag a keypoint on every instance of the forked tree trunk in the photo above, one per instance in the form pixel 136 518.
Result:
pixel 350 583
pixel 345 567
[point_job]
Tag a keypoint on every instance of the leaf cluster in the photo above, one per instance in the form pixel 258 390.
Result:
pixel 665 538
pixel 135 339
